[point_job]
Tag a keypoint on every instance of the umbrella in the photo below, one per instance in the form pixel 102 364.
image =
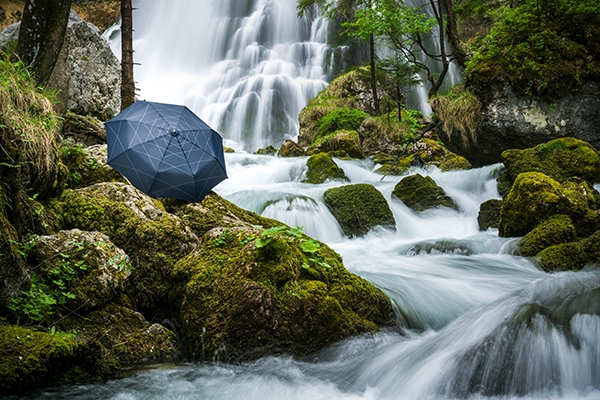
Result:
pixel 165 150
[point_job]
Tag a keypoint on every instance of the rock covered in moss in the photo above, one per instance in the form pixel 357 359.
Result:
pixel 269 150
pixel 321 168
pixel 123 336
pixel 489 214
pixel 421 193
pixel 344 142
pixel 83 130
pixel 534 197
pixel 572 256
pixel 89 267
pixel 559 159
pixel 87 166
pixel 12 265
pixel 153 239
pixel 555 230
pixel 289 148
pixel 243 299
pixel 359 208
pixel 31 359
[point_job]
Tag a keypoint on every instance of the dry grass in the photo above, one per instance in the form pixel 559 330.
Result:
pixel 28 124
pixel 458 110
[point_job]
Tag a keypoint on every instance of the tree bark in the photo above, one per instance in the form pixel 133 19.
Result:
pixel 452 31
pixel 127 82
pixel 42 35
pixel 373 75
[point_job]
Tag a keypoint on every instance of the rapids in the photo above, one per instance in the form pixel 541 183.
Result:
pixel 479 323
pixel 474 321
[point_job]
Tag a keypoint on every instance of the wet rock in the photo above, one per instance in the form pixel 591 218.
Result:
pixel 342 144
pixel 321 168
pixel 572 256
pixel 555 230
pixel 241 299
pixel 534 197
pixel 359 208
pixel 289 148
pixel 269 150
pixel 421 193
pixel 489 214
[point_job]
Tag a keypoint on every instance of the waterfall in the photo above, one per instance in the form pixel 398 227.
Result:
pixel 247 68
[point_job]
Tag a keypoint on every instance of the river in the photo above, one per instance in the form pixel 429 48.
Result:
pixel 474 321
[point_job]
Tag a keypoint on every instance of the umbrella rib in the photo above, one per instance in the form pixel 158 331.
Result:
pixel 165 153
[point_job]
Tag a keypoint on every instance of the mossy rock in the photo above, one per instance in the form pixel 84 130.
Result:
pixel 87 166
pixel 321 168
pixel 359 208
pixel 12 265
pixel 342 141
pixel 124 336
pixel 266 151
pixel 228 150
pixel 242 302
pixel 289 148
pixel 534 197
pixel 572 256
pixel 559 159
pixel 30 359
pixel 82 130
pixel 489 214
pixel 89 267
pixel 153 239
pixel 421 193
pixel 555 230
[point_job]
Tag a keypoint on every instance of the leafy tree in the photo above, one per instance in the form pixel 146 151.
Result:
pixel 41 36
pixel 403 73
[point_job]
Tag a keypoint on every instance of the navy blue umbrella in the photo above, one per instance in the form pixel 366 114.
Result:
pixel 165 150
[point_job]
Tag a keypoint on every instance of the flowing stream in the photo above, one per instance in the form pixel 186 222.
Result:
pixel 478 322
pixel 481 323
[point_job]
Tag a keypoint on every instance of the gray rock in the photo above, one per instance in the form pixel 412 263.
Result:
pixel 94 83
pixel 512 121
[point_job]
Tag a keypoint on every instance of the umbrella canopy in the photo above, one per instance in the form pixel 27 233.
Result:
pixel 165 150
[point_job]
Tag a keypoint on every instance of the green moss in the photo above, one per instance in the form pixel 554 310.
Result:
pixel 571 256
pixel 30 359
pixel 421 193
pixel 85 170
pixel 348 119
pixel 273 299
pixel 321 168
pixel 269 150
pixel 559 159
pixel 535 197
pixel 555 230
pixel 489 214
pixel 340 142
pixel 358 208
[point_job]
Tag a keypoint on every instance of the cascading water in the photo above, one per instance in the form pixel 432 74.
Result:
pixel 479 323
pixel 246 67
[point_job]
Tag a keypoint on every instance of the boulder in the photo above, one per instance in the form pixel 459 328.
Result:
pixel 559 159
pixel 289 148
pixel 359 208
pixel 93 71
pixel 341 143
pixel 153 239
pixel 534 197
pixel 572 256
pixel 242 298
pixel 269 150
pixel 321 168
pixel 84 265
pixel 507 120
pixel 421 193
pixel 552 231
pixel 87 166
pixel 83 130
pixel 489 214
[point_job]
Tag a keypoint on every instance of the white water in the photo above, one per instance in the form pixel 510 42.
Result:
pixel 483 324
pixel 247 68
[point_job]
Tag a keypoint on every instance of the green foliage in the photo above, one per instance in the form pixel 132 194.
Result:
pixel 542 46
pixel 341 119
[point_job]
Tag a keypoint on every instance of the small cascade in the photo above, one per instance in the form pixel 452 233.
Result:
pixel 246 68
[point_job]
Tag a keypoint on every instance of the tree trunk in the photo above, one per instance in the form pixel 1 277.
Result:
pixel 127 82
pixel 452 31
pixel 42 35
pixel 373 77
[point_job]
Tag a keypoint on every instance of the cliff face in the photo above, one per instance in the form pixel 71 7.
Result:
pixel 508 120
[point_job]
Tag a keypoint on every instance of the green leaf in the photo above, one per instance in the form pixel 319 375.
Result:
pixel 310 246
pixel 260 242
pixel 273 231
pixel 305 266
